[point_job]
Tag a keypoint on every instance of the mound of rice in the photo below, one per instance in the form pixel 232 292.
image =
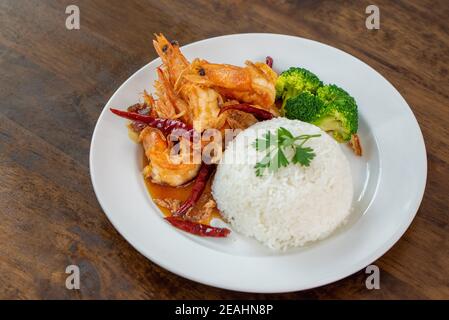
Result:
pixel 293 206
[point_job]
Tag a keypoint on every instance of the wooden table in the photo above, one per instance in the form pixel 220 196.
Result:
pixel 54 83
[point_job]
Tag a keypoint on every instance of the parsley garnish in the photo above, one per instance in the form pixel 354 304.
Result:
pixel 275 145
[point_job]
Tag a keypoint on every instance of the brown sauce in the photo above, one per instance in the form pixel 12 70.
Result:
pixel 158 191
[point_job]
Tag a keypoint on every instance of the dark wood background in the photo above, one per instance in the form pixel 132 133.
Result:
pixel 54 83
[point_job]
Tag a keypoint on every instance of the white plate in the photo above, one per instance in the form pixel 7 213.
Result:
pixel 389 179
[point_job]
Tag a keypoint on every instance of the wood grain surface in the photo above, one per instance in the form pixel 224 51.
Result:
pixel 55 82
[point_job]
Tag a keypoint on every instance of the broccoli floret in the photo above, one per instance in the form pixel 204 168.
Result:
pixel 332 109
pixel 339 114
pixel 294 81
pixel 305 107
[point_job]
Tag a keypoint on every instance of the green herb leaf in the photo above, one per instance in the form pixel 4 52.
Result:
pixel 266 142
pixel 263 164
pixel 303 156
pixel 283 135
pixel 275 146
pixel 279 160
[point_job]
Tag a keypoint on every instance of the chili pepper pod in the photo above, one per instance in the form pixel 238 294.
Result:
pixel 269 61
pixel 197 190
pixel 260 114
pixel 198 229
pixel 167 126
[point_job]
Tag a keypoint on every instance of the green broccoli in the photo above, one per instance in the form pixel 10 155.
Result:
pixel 294 81
pixel 332 109
pixel 304 107
pixel 339 114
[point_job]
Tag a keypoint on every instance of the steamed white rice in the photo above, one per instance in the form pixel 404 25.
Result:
pixel 292 206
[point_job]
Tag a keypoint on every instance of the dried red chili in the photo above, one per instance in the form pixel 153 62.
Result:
pixel 260 114
pixel 167 126
pixel 197 190
pixel 269 61
pixel 140 108
pixel 198 229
